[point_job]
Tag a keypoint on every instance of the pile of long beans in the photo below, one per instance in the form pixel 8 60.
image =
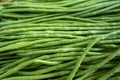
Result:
pixel 60 40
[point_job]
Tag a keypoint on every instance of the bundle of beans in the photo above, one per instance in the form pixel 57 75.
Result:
pixel 60 40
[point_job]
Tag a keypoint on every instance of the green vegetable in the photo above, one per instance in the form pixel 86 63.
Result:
pixel 60 40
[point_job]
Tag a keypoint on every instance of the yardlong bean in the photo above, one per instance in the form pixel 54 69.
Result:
pixel 59 40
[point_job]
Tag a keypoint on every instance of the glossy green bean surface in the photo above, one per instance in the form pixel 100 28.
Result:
pixel 60 40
